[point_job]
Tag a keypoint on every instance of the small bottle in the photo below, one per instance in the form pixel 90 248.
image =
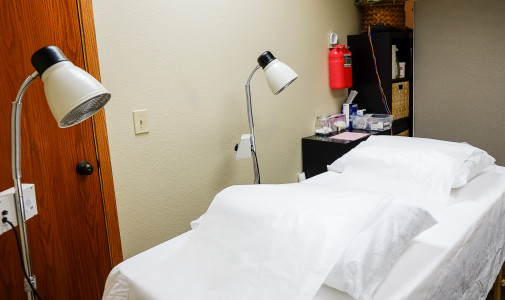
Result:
pixel 402 69
pixel 323 126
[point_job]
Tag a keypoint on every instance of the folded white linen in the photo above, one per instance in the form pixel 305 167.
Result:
pixel 376 247
pixel 371 255
pixel 262 242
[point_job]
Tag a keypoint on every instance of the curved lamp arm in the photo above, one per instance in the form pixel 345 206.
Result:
pixel 257 179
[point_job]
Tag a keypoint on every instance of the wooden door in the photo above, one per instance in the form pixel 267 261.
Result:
pixel 74 239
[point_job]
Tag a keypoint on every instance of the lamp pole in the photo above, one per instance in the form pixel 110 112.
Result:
pixel 73 96
pixel 278 76
pixel 251 127
pixel 29 282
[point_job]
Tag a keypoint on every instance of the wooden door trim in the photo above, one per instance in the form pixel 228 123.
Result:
pixel 90 51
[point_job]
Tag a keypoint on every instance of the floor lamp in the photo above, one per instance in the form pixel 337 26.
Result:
pixel 73 96
pixel 278 76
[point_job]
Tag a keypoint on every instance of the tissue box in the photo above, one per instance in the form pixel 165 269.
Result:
pixel 377 122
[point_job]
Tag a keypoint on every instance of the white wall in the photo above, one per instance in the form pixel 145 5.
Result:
pixel 187 62
pixel 459 72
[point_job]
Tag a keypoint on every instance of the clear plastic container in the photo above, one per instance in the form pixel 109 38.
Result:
pixel 380 122
pixel 360 122
pixel 323 126
pixel 377 122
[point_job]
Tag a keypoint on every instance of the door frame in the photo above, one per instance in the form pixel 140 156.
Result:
pixel 91 63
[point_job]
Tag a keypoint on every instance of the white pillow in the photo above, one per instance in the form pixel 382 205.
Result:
pixel 415 170
pixel 372 253
pixel 477 161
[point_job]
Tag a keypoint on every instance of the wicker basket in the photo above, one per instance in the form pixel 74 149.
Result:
pixel 387 12
pixel 400 100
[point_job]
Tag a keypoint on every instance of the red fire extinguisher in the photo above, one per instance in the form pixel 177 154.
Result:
pixel 340 66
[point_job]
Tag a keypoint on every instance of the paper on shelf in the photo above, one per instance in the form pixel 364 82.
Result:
pixel 349 136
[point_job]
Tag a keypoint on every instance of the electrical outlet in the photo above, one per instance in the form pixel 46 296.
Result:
pixel 7 203
pixel 140 121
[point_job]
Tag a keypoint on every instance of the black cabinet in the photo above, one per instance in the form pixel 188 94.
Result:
pixel 320 151
pixel 397 92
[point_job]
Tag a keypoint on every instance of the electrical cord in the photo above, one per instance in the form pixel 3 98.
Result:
pixel 256 166
pixel 383 95
pixel 6 220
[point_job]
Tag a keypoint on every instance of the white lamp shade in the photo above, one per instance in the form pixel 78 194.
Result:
pixel 73 95
pixel 279 76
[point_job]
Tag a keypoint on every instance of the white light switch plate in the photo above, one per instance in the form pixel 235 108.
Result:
pixel 140 121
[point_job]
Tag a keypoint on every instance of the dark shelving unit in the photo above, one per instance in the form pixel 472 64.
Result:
pixel 364 76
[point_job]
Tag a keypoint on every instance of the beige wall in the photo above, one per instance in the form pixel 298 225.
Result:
pixel 459 72
pixel 187 62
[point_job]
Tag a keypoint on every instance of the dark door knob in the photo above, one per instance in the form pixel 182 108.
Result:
pixel 84 168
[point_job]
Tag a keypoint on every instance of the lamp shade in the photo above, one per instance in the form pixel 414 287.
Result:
pixel 73 95
pixel 277 73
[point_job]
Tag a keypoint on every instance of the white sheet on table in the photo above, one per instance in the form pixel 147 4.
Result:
pixel 459 257
pixel 424 270
pixel 262 242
